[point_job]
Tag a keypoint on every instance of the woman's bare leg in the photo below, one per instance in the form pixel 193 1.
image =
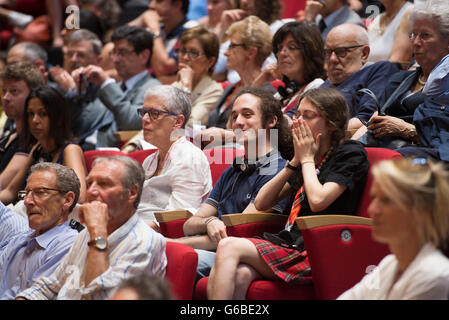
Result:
pixel 230 253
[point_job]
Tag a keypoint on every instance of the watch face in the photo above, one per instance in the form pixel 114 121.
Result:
pixel 101 243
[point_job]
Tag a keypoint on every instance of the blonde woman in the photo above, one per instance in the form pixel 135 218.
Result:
pixel 410 213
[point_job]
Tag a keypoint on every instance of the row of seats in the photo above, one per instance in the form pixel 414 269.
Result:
pixel 340 247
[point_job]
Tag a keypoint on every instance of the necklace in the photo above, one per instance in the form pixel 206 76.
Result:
pixel 421 82
pixel 323 160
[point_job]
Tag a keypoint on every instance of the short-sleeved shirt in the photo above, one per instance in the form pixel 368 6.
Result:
pixel 348 166
pixel 236 189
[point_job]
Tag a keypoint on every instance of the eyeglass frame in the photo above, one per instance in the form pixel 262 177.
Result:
pixel 143 111
pixel 233 45
pixel 122 52
pixel 182 52
pixel 22 194
pixel 308 118
pixel 328 52
pixel 412 36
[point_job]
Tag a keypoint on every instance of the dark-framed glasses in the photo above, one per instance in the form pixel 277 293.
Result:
pixel 340 52
pixel 233 45
pixel 153 113
pixel 191 54
pixel 36 193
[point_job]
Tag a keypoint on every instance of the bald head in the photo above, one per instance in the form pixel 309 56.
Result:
pixel 342 66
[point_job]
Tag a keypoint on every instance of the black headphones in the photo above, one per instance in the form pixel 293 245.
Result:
pixel 290 87
pixel 245 167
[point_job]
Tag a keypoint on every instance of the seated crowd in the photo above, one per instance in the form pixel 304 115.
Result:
pixel 300 97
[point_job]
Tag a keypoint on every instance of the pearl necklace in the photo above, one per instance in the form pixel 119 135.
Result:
pixel 421 82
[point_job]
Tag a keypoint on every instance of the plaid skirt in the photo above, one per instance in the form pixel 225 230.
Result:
pixel 290 265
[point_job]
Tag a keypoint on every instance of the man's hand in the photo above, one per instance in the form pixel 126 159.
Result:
pixel 94 215
pixel 313 8
pixel 94 74
pixel 382 126
pixel 62 78
pixel 151 21
pixel 216 230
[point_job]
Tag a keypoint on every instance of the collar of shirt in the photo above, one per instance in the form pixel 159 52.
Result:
pixel 131 82
pixel 175 32
pixel 115 238
pixel 330 18
pixel 44 239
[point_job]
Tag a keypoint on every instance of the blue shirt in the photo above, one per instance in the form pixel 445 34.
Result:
pixel 23 256
pixel 235 189
pixel 373 77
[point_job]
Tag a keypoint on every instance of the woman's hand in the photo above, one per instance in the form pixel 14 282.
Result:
pixel 185 76
pixel 304 143
pixel 269 73
pixel 382 126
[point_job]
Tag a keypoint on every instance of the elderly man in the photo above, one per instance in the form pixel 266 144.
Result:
pixel 330 13
pixel 346 51
pixel 34 248
pixel 114 246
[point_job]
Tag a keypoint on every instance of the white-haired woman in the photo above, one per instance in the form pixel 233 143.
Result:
pixel 409 212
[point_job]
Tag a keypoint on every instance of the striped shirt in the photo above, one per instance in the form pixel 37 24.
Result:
pixel 25 257
pixel 134 248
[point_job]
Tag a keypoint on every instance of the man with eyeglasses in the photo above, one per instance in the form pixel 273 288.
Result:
pixel 34 248
pixel 90 121
pixel 114 246
pixel 328 14
pixel 346 51
pixel 131 56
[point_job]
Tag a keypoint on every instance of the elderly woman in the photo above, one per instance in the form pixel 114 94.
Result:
pixel 403 94
pixel 197 54
pixel 409 212
pixel 326 175
pixel 177 174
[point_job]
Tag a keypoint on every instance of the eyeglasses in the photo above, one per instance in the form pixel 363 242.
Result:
pixel 153 113
pixel 122 52
pixel 235 45
pixel 422 36
pixel 37 193
pixel 290 48
pixel 340 52
pixel 307 114
pixel 192 54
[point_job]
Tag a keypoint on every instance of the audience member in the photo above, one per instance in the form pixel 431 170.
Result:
pixel 215 8
pixel 31 53
pixel 114 246
pixel 90 121
pixel 328 14
pixel 46 127
pixel 144 287
pixel 132 55
pixel 177 174
pixel 409 212
pixel 262 130
pixel 326 175
pixel 34 248
pixel 396 127
pixel 17 81
pixel 167 21
pixel 388 33
pixel 250 45
pixel 346 51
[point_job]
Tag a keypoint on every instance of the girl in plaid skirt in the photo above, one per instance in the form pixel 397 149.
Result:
pixel 326 175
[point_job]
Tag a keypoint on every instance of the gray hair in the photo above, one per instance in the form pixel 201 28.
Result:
pixel 66 178
pixel 176 100
pixel 84 34
pixel 33 51
pixel 133 174
pixel 432 10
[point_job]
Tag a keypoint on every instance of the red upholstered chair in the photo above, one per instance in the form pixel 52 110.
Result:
pixel 220 159
pixel 340 251
pixel 181 269
pixel 141 155
pixel 91 155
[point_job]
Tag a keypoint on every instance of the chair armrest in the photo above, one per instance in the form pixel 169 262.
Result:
pixel 243 218
pixel 310 222
pixel 167 216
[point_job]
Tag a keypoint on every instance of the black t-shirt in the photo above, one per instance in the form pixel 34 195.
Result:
pixel 347 166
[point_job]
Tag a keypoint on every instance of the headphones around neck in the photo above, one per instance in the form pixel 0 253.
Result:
pixel 246 168
pixel 291 86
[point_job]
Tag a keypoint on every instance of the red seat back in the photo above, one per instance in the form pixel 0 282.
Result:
pixel 91 155
pixel 220 159
pixel 182 261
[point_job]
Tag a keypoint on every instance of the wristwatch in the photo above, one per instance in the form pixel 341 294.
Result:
pixel 288 165
pixel 99 243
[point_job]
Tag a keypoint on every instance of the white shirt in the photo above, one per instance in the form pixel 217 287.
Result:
pixel 184 183
pixel 427 277
pixel 133 248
